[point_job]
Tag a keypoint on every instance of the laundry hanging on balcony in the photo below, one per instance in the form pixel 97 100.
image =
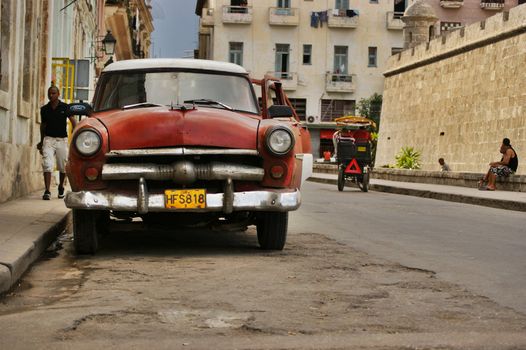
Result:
pixel 317 18
pixel 352 13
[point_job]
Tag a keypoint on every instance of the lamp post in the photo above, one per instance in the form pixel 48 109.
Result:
pixel 109 43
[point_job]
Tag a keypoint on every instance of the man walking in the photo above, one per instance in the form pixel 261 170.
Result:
pixel 54 139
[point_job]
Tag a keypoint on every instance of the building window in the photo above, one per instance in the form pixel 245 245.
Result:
pixel 282 61
pixel 373 1
pixel 399 7
pixel 342 4
pixel 5 39
pixel 238 6
pixel 446 26
pixel 332 109
pixel 284 4
pixel 26 74
pixel 372 56
pixel 307 54
pixel 236 53
pixel 300 105
pixel 395 50
pixel 340 59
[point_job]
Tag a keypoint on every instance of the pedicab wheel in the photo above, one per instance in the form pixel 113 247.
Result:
pixel 272 230
pixel 364 184
pixel 341 179
pixel 85 232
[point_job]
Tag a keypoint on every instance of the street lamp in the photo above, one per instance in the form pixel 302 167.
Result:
pixel 109 43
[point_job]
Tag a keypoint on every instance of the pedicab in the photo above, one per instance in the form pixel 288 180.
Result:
pixel 352 143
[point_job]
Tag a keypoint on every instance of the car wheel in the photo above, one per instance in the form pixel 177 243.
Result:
pixel 364 184
pixel 341 179
pixel 272 230
pixel 85 232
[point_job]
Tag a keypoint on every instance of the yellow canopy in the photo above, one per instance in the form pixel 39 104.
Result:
pixel 354 119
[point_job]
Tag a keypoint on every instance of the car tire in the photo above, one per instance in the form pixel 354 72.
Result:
pixel 272 230
pixel 341 179
pixel 85 231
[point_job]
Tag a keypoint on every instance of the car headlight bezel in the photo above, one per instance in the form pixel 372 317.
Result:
pixel 269 140
pixel 81 136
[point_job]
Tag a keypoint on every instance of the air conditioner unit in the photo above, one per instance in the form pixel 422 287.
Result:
pixel 313 119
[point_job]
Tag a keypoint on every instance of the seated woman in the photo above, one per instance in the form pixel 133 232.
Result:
pixel 507 165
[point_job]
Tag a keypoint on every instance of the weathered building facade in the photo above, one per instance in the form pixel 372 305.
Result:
pixel 453 14
pixel 23 68
pixel 131 23
pixel 329 54
pixel 459 95
pixel 40 40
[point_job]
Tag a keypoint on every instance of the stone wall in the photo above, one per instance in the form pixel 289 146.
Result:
pixel 459 95
pixel 22 35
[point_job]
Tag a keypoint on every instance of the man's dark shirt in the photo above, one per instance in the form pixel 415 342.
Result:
pixel 55 119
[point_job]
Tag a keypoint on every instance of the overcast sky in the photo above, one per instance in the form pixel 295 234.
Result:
pixel 175 23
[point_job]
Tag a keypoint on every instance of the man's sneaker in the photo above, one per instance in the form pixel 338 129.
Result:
pixel 46 196
pixel 61 192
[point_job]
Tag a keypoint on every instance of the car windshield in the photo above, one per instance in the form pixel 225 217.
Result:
pixel 122 89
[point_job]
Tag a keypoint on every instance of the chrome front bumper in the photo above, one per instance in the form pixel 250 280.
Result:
pixel 268 200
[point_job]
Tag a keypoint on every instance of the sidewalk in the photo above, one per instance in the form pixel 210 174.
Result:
pixel 27 226
pixel 496 199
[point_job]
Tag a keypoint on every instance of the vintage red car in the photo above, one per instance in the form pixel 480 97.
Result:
pixel 186 141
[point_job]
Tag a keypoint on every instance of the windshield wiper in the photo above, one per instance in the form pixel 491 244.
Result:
pixel 204 101
pixel 142 104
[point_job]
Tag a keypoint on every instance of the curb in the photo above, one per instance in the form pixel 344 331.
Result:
pixel 11 273
pixel 450 197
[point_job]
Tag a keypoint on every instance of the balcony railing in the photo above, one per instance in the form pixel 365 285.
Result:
pixel 284 16
pixel 289 80
pixel 237 14
pixel 342 19
pixel 340 82
pixel 207 17
pixel 451 4
pixel 118 2
pixel 394 20
pixel 492 5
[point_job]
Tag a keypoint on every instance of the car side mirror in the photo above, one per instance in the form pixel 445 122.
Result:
pixel 280 111
pixel 81 108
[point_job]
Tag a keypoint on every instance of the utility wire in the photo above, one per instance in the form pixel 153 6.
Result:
pixel 68 5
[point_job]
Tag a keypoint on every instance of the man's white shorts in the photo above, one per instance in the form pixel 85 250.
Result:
pixel 54 148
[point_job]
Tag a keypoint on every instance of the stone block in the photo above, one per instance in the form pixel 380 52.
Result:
pixel 5 278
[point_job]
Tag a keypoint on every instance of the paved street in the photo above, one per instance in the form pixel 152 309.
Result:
pixel 360 270
pixel 483 249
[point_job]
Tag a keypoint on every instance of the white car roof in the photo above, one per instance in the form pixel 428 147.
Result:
pixel 180 63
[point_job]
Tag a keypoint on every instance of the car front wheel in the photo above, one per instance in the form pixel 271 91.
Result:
pixel 272 230
pixel 85 230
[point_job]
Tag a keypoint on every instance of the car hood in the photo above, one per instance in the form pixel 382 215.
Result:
pixel 162 127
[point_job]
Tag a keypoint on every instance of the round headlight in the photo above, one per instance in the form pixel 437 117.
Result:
pixel 280 141
pixel 88 142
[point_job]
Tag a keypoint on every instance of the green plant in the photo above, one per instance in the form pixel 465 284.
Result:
pixel 408 158
pixel 371 108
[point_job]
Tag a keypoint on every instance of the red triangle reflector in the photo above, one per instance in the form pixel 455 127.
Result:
pixel 353 167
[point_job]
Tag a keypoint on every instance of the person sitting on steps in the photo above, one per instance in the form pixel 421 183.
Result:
pixel 507 165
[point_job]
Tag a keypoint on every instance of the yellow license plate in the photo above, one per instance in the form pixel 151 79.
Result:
pixel 185 199
pixel 362 149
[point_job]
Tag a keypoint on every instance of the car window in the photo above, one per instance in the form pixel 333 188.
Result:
pixel 127 88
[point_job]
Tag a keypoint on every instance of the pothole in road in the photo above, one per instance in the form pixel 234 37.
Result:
pixel 206 318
